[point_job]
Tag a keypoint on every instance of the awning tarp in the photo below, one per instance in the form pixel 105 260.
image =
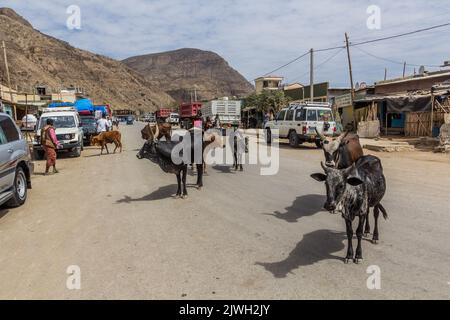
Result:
pixel 399 104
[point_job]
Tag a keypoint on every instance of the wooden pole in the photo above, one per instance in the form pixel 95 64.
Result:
pixel 352 87
pixel 7 71
pixel 385 74
pixel 311 76
pixel 432 111
pixel 404 69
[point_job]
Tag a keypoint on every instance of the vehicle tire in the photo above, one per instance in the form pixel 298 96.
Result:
pixel 77 152
pixel 19 189
pixel 294 141
pixel 39 154
pixel 318 144
pixel 82 145
pixel 268 136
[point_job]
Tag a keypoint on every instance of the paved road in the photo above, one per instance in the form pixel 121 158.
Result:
pixel 244 236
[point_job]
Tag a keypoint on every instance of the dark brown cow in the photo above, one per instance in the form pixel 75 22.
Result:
pixel 105 138
pixel 341 152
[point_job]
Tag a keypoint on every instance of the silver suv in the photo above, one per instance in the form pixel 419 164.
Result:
pixel 16 167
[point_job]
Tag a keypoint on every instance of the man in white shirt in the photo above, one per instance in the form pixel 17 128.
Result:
pixel 102 125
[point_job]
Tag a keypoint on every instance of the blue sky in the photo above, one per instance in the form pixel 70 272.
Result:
pixel 254 36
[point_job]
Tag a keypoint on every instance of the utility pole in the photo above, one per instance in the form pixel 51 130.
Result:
pixel 311 78
pixel 195 93
pixel 404 69
pixel 352 88
pixel 7 71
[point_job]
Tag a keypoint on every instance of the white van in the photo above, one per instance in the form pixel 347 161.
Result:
pixel 68 128
pixel 298 123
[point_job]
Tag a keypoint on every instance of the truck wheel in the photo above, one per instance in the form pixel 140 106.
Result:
pixel 39 154
pixel 19 189
pixel 268 137
pixel 294 141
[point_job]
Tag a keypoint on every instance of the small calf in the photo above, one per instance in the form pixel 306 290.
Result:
pixel 105 138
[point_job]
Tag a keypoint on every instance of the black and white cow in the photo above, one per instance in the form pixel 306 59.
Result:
pixel 352 192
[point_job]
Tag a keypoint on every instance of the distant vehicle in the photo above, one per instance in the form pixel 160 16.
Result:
pixel 16 166
pixel 130 120
pixel 187 112
pixel 150 118
pixel 163 114
pixel 89 124
pixel 298 123
pixel 29 122
pixel 228 111
pixel 174 118
pixel 68 127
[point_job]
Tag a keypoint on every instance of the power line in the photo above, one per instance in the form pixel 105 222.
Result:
pixel 359 44
pixel 289 63
pixel 400 35
pixel 396 62
pixel 321 64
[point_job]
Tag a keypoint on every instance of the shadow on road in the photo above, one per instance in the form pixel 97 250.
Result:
pixel 314 247
pixel 303 206
pixel 224 169
pixel 3 212
pixel 160 194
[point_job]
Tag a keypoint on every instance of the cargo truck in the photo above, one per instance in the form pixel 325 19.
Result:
pixel 188 111
pixel 228 111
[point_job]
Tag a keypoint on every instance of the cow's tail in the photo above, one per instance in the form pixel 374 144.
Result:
pixel 383 211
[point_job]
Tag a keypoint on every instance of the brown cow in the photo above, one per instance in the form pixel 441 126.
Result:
pixel 341 152
pixel 105 138
pixel 164 129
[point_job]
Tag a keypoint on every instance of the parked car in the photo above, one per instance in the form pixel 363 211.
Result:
pixel 130 120
pixel 89 124
pixel 69 131
pixel 29 122
pixel 174 118
pixel 298 123
pixel 16 166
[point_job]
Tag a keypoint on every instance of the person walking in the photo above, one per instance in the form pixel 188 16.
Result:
pixel 102 125
pixel 110 124
pixel 50 143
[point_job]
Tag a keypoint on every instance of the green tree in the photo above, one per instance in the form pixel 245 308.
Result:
pixel 267 100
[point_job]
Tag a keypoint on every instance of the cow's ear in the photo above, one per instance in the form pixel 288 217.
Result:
pixel 319 177
pixel 354 181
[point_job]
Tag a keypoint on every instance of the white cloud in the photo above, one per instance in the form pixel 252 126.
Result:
pixel 254 36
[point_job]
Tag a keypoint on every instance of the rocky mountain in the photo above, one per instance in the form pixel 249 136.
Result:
pixel 36 58
pixel 182 71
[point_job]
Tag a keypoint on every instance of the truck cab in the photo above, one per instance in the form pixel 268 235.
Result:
pixel 68 128
pixel 299 122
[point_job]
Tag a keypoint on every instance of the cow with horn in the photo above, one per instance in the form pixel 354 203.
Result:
pixel 341 152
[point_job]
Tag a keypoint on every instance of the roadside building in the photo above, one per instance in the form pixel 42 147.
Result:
pixel 268 83
pixel 410 106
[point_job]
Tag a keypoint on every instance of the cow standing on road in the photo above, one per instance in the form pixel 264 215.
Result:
pixel 109 137
pixel 352 192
